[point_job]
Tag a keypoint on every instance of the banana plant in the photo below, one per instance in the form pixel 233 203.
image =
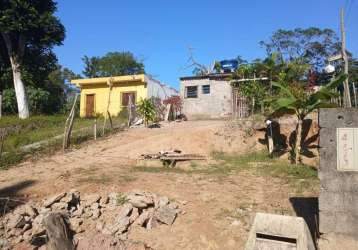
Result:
pixel 146 109
pixel 301 102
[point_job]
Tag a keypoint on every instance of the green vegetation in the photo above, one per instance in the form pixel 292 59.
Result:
pixel 29 30
pixel 259 163
pixel 112 64
pixel 20 132
pixel 295 99
pixel 146 109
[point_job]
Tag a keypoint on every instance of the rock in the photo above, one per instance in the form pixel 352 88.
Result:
pixel 235 223
pixel 96 213
pixel 100 226
pixel 134 215
pixel 112 198
pixel 72 198
pixel 48 202
pixel 27 235
pixel 163 201
pixel 104 201
pixel 18 239
pixel 118 227
pixel 95 206
pixel 26 227
pixel 124 211
pixel 184 203
pixel 166 215
pixel 122 225
pixel 140 201
pixel 88 200
pixel 4 244
pixel 87 213
pixel 144 217
pixel 16 221
pixel 78 212
pixel 59 206
pixel 152 223
pixel 44 211
pixel 75 225
pixel 173 205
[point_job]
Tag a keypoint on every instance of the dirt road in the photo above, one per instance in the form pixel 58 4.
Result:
pixel 218 209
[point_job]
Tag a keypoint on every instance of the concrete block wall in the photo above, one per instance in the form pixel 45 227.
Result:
pixel 338 199
pixel 214 105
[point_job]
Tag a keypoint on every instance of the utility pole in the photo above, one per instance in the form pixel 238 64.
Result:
pixel 347 95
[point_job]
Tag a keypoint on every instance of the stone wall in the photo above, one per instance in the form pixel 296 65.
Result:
pixel 214 105
pixel 338 200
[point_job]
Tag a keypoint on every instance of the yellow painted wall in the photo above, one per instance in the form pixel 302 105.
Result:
pixel 101 96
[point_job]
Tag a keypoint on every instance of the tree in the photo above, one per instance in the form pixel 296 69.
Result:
pixel 295 99
pixel 27 25
pixel 146 109
pixel 112 64
pixel 314 45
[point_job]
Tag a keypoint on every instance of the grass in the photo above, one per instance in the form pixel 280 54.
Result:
pixel 302 177
pixel 22 132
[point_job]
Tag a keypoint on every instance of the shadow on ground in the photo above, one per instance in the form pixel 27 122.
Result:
pixel 307 208
pixel 9 196
pixel 282 143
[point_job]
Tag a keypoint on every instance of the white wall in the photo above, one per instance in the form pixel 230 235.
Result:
pixel 157 89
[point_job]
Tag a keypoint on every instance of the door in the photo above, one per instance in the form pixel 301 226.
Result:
pixel 126 96
pixel 89 105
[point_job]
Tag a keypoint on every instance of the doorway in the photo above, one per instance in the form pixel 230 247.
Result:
pixel 90 105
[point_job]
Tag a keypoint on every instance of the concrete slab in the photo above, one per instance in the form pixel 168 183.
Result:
pixel 271 231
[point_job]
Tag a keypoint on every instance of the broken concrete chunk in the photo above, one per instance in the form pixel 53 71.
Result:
pixel 75 225
pixel 88 200
pixel 166 215
pixel 124 211
pixel 96 213
pixel 152 223
pixel 16 221
pixel 48 202
pixel 144 217
pixel 31 211
pixel 134 215
pixel 59 206
pixel 140 201
pixel 163 201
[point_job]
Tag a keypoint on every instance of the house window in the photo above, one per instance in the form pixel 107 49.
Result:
pixel 191 91
pixel 206 89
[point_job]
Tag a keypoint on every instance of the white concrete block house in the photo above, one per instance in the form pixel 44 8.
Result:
pixel 208 96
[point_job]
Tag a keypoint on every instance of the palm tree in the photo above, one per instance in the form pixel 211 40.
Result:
pixel 296 100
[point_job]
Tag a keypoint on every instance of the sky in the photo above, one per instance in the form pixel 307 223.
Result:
pixel 161 31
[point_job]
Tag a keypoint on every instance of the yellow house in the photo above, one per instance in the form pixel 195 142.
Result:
pixel 115 92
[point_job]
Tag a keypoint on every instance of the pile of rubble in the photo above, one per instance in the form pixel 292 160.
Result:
pixel 113 214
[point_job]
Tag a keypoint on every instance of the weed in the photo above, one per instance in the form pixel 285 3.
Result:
pixel 121 199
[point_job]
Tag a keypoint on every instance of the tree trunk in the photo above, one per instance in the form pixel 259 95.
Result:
pixel 15 57
pixel 21 98
pixel 298 140
pixel 0 104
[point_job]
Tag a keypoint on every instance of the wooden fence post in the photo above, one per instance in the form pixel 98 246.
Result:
pixel 69 125
pixel 354 94
pixel 129 110
pixel 95 129
pixel 110 85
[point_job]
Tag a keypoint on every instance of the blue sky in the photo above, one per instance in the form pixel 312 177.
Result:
pixel 160 31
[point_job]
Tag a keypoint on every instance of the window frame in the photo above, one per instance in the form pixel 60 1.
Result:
pixel 202 89
pixel 187 91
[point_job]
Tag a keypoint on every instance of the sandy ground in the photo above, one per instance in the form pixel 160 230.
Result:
pixel 219 210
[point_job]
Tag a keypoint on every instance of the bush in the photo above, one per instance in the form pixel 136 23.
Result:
pixel 38 101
